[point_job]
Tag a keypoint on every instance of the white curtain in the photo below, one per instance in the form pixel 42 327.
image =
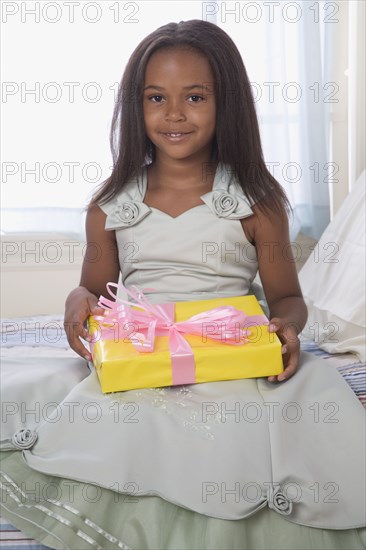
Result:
pixel 58 98
pixel 348 122
pixel 61 65
pixel 356 91
pixel 285 47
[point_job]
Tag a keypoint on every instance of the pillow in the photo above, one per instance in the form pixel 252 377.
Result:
pixel 333 280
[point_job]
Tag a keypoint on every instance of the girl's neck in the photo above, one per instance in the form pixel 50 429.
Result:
pixel 178 176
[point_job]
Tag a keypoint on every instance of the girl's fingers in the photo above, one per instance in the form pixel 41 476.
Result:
pixel 288 372
pixel 97 310
pixel 81 350
pixel 291 361
pixel 274 324
pixel 76 326
pixel 75 331
pixel 291 366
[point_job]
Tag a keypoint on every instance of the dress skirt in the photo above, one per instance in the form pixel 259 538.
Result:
pixel 267 466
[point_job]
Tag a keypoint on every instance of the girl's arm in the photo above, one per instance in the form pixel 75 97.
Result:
pixel 100 266
pixel 277 270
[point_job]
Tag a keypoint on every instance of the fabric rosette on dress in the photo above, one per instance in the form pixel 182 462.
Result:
pixel 24 439
pixel 226 205
pixel 127 213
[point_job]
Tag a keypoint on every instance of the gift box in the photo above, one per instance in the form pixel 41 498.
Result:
pixel 126 356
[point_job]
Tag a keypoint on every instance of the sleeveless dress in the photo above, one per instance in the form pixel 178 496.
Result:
pixel 236 464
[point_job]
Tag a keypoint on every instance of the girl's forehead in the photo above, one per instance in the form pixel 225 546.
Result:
pixel 182 59
pixel 180 48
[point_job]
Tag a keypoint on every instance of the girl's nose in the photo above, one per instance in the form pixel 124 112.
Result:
pixel 174 112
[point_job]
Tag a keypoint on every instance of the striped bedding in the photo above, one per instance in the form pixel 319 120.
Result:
pixel 12 539
pixel 352 370
pixel 36 335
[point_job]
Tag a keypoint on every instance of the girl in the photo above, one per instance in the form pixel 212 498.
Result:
pixel 186 111
pixel 189 184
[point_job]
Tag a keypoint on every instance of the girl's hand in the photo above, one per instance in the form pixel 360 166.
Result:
pixel 290 349
pixel 79 305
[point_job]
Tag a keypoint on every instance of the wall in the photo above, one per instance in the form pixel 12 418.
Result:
pixel 37 273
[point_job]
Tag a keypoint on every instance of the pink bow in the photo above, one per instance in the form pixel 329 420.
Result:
pixel 221 323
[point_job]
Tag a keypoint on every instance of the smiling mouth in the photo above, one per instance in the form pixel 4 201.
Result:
pixel 175 136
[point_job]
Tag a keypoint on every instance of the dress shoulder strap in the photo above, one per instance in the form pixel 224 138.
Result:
pixel 127 208
pixel 227 198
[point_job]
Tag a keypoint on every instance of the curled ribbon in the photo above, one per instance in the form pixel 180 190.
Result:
pixel 158 320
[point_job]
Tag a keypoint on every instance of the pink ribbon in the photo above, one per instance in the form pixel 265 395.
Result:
pixel 158 320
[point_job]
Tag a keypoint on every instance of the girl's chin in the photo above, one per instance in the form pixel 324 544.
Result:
pixel 176 152
pixel 181 156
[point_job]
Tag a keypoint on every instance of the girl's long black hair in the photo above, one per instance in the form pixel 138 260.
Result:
pixel 237 141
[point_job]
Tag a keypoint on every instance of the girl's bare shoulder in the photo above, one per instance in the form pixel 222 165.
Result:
pixel 100 264
pixel 265 225
pixel 95 223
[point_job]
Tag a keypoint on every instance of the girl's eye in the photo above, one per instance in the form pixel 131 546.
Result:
pixel 156 98
pixel 196 98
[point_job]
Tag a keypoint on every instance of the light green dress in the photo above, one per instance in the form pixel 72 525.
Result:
pixel 239 464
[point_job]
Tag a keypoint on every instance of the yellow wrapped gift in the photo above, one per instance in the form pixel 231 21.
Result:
pixel 175 356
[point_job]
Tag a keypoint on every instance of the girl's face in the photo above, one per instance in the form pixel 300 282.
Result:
pixel 179 104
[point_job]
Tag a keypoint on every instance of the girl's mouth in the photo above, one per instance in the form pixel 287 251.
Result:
pixel 176 136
